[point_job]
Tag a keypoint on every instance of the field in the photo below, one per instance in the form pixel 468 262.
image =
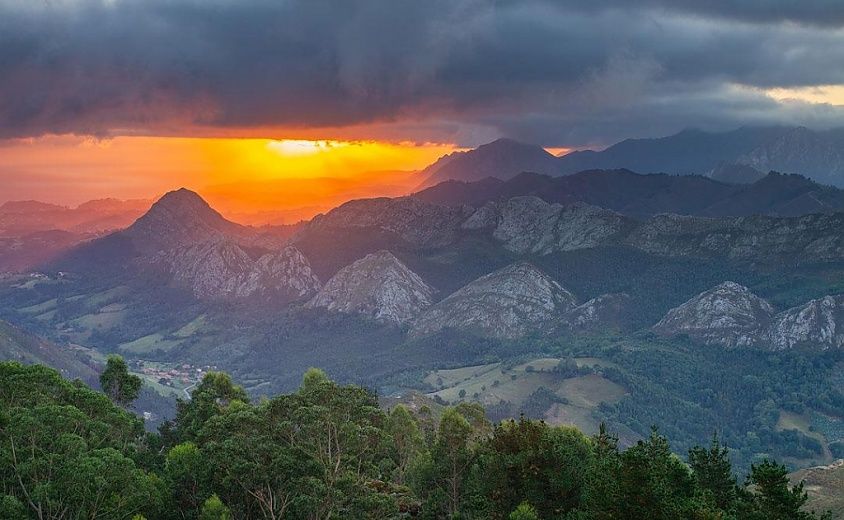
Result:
pixel 148 344
pixel 825 486
pixel 572 400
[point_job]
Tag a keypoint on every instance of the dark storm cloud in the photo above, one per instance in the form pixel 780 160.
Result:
pixel 558 73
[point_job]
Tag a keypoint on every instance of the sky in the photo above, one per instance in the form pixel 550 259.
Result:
pixel 133 97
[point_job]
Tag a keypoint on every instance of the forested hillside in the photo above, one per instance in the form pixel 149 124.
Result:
pixel 329 451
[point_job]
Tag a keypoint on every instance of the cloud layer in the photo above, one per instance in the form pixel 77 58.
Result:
pixel 560 73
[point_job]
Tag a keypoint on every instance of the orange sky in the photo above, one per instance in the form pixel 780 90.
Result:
pixel 235 175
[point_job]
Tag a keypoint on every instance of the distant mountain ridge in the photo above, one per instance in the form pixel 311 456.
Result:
pixel 18 218
pixel 645 195
pixel 502 158
pixel 731 156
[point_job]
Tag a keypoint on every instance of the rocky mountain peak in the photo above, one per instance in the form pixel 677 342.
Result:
pixel 378 286
pixel 506 303
pixel 728 314
pixel 180 218
pixel 818 322
pixel 222 269
pixel 286 274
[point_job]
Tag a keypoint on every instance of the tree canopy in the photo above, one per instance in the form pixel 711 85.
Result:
pixel 329 451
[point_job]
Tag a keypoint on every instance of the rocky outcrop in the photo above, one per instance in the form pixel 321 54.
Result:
pixel 418 223
pixel 816 323
pixel 528 224
pixel 378 286
pixel 732 316
pixel 220 269
pixel 811 237
pixel 728 314
pixel 210 269
pixel 507 303
pixel 605 312
pixel 286 275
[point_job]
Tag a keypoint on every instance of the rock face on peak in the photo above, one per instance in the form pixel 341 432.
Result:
pixel 378 286
pixel 418 223
pixel 607 311
pixel 528 224
pixel 177 219
pixel 728 314
pixel 221 269
pixel 507 303
pixel 210 269
pixel 286 274
pixel 818 323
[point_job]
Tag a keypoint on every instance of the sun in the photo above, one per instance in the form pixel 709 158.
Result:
pixel 295 147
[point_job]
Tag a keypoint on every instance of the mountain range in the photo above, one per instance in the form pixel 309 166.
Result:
pixel 387 291
pixel 640 195
pixel 737 156
pixel 183 243
pixel 732 316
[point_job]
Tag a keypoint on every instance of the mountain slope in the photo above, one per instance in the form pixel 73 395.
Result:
pixel 818 322
pixel 531 225
pixel 641 196
pixel 19 218
pixel 378 286
pixel 501 159
pixel 416 222
pixel 732 316
pixel 507 303
pixel 728 315
pixel 815 154
pixel 19 345
pixel 180 218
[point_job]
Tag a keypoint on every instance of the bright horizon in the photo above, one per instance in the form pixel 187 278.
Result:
pixel 236 175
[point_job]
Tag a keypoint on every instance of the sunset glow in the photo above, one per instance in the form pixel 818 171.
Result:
pixel 290 173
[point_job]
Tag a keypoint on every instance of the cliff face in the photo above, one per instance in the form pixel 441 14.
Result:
pixel 818 322
pixel 223 269
pixel 378 286
pixel 732 316
pixel 728 314
pixel 416 222
pixel 530 225
pixel 507 303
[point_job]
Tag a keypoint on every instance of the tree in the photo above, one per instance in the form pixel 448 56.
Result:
pixel 713 473
pixel 187 471
pixel 118 384
pixel 453 457
pixel 66 448
pixel 254 468
pixel 525 511
pixel 772 496
pixel 214 509
pixel 212 395
pixel 531 461
pixel 654 483
pixel 407 439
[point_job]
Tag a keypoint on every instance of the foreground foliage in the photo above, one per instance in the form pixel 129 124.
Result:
pixel 329 451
